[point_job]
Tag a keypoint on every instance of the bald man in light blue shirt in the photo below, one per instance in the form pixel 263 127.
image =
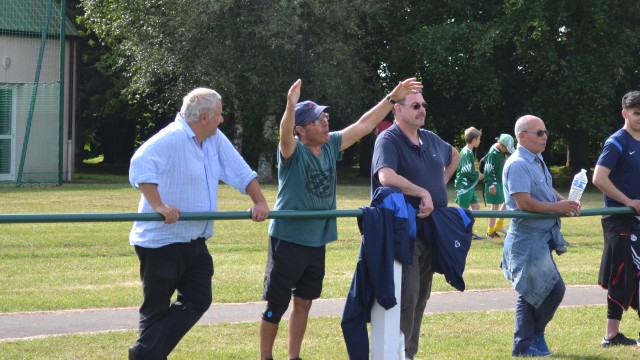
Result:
pixel 527 260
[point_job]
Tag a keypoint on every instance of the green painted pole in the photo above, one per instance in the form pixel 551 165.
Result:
pixel 281 214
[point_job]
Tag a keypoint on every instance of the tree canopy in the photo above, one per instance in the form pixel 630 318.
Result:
pixel 483 63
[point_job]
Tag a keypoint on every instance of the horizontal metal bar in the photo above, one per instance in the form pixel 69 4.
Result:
pixel 185 216
pixel 280 214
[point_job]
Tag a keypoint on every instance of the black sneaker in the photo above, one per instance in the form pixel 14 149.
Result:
pixel 619 339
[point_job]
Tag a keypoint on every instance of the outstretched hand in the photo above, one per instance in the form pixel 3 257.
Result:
pixel 405 88
pixel 294 92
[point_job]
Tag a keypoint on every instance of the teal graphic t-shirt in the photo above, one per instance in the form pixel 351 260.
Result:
pixel 308 182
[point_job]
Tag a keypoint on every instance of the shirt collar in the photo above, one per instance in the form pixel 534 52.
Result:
pixel 528 155
pixel 180 120
pixel 406 139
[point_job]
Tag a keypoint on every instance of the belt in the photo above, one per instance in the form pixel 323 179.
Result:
pixel 199 239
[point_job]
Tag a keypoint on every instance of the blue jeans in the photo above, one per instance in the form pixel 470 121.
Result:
pixel 532 321
pixel 183 267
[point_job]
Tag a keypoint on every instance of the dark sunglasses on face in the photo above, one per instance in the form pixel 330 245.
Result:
pixel 539 133
pixel 417 106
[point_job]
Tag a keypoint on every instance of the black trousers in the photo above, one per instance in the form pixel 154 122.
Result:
pixel 183 267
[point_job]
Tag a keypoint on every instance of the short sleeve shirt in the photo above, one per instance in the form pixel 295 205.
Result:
pixel 621 154
pixel 308 182
pixel 525 172
pixel 422 164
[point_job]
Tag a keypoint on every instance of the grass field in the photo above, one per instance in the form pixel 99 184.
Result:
pixel 91 265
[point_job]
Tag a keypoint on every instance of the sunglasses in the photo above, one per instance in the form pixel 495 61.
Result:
pixel 539 133
pixel 417 106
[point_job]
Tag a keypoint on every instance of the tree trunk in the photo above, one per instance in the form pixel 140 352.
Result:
pixel 579 156
pixel 265 161
pixel 117 139
pixel 237 130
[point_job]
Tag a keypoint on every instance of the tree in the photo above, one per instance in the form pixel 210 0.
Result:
pixel 249 51
pixel 483 63
pixel 486 63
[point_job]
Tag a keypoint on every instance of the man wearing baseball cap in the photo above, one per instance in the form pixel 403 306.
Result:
pixel 307 155
pixel 494 162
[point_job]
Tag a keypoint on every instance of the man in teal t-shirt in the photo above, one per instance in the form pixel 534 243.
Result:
pixel 307 156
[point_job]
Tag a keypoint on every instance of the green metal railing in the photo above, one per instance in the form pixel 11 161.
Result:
pixel 281 214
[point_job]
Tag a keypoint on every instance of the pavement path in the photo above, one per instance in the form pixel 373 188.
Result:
pixel 14 326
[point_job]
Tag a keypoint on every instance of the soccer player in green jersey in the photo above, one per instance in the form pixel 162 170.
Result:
pixel 467 176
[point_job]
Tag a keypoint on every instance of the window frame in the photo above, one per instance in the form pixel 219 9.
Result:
pixel 10 176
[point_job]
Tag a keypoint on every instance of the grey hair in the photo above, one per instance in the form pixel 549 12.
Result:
pixel 197 102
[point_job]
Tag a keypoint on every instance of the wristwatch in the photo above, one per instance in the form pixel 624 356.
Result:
pixel 391 100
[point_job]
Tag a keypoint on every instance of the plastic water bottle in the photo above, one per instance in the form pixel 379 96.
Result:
pixel 578 185
pixel 401 347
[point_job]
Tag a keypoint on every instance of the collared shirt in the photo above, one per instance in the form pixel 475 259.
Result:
pixel 423 164
pixel 525 172
pixel 187 176
pixel 526 257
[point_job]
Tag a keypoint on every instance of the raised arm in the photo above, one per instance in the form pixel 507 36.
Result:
pixel 287 141
pixel 375 115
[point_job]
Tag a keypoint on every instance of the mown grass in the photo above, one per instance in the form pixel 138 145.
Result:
pixel 52 266
pixel 91 265
pixel 573 334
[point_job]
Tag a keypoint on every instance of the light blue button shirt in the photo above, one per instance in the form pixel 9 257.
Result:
pixel 187 176
pixel 526 257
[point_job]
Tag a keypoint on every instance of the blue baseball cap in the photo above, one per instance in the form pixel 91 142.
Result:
pixel 308 111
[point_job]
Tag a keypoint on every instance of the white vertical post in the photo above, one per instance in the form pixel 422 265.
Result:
pixel 385 325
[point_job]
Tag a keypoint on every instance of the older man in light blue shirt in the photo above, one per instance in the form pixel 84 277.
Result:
pixel 176 170
pixel 527 260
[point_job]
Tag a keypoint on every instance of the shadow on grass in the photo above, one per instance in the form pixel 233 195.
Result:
pixel 102 173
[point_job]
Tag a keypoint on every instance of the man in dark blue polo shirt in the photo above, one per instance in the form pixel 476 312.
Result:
pixel 420 164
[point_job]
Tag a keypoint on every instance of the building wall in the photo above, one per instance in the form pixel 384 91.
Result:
pixel 44 137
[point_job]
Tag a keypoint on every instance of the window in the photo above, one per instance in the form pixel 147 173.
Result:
pixel 7 134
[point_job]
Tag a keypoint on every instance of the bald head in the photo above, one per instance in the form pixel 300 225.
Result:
pixel 528 129
pixel 522 124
